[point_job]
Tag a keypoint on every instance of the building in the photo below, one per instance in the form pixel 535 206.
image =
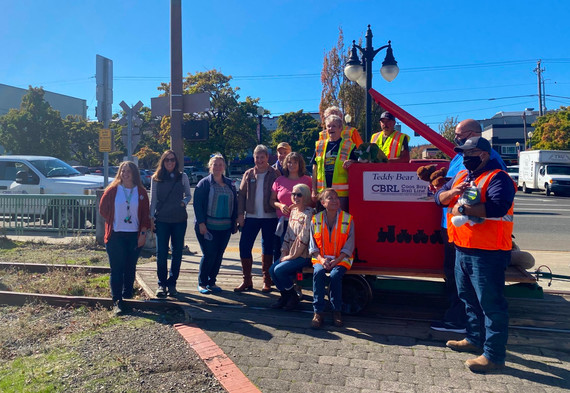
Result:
pixel 11 98
pixel 505 129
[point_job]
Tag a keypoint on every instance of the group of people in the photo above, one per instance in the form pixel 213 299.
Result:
pixel 304 221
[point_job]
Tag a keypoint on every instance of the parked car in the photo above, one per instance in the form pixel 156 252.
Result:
pixel 189 170
pixel 82 169
pixel 145 177
pixel 47 175
pixel 513 171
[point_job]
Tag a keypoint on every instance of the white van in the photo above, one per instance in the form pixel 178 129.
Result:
pixel 44 175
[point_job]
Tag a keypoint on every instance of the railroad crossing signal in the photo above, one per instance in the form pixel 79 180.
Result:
pixel 131 135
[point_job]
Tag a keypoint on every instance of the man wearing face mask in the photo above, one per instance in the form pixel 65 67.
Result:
pixel 454 319
pixel 483 251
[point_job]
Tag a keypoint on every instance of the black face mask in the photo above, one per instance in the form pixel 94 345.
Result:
pixel 458 141
pixel 472 163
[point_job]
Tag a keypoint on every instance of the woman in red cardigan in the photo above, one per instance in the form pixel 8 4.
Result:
pixel 125 208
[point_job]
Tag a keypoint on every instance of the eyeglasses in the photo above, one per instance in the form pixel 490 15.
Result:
pixel 297 194
pixel 170 160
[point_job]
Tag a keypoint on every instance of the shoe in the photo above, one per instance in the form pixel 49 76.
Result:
pixel 247 284
pixel 203 290
pixel 442 326
pixel 292 300
pixel 337 319
pixel 482 365
pixel 161 292
pixel 463 346
pixel 172 291
pixel 186 251
pixel 214 288
pixel 282 301
pixel 266 288
pixel 118 308
pixel 317 321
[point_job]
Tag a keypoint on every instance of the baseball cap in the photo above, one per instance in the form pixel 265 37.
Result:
pixel 284 145
pixel 476 142
pixel 387 115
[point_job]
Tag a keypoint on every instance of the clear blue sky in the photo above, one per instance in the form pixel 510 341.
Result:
pixel 448 51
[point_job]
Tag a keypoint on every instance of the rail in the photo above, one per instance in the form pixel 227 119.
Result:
pixel 21 213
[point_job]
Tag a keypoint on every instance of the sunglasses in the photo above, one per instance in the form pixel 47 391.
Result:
pixel 297 194
pixel 170 160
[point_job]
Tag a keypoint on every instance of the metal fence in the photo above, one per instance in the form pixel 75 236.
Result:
pixel 22 213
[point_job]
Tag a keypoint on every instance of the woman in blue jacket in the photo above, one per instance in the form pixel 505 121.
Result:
pixel 215 209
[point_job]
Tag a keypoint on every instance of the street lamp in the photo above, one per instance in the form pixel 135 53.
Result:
pixel 260 112
pixel 530 140
pixel 361 72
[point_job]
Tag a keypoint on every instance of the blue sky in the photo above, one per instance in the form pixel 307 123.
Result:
pixel 454 56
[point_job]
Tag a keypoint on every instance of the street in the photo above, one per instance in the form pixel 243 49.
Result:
pixel 541 222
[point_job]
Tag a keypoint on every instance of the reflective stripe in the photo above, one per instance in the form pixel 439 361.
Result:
pixel 338 237
pixel 392 145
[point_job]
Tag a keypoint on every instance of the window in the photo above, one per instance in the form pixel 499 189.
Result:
pixel 508 150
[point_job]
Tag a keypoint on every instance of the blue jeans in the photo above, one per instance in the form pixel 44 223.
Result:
pixel 123 255
pixel 278 242
pixel 165 233
pixel 283 273
pixel 251 228
pixel 480 277
pixel 212 254
pixel 335 286
pixel 455 313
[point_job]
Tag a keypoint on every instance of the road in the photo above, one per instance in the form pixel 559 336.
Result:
pixel 541 222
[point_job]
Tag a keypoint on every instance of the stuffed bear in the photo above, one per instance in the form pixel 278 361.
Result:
pixel 471 196
pixel 430 173
pixel 370 152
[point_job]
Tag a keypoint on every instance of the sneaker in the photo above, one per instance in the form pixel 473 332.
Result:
pixel 213 288
pixel 203 290
pixel 118 307
pixel 172 291
pixel 442 326
pixel 161 292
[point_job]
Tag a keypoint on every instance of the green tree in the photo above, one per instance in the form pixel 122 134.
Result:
pixel 85 140
pixel 232 122
pixel 447 128
pixel 552 131
pixel 339 91
pixel 300 130
pixel 36 128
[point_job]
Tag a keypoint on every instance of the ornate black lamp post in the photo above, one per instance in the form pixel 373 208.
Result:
pixel 361 72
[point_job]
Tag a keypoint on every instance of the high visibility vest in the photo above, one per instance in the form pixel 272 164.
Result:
pixel 346 133
pixel 392 145
pixel 340 175
pixel 493 233
pixel 330 244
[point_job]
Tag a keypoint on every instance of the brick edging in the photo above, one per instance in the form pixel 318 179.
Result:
pixel 223 368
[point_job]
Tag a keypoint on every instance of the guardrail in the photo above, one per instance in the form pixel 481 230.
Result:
pixel 21 213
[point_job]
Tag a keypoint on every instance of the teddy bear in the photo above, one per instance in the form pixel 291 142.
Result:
pixel 430 173
pixel 370 152
pixel 471 196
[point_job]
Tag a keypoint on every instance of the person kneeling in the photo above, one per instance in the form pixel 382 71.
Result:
pixel 331 248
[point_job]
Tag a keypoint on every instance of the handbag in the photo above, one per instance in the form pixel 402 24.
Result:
pixel 150 242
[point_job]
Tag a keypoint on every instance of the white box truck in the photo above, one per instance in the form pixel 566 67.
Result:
pixel 545 170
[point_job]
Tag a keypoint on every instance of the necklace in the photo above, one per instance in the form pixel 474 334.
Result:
pixel 128 200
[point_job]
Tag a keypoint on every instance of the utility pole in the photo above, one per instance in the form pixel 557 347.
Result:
pixel 538 71
pixel 176 99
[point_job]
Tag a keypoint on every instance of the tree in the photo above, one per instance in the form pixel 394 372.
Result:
pixel 447 128
pixel 35 128
pixel 85 140
pixel 232 122
pixel 339 91
pixel 552 131
pixel 300 130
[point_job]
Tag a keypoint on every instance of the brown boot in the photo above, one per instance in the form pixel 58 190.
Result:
pixel 266 262
pixel 247 284
pixel 463 346
pixel 337 319
pixel 482 365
